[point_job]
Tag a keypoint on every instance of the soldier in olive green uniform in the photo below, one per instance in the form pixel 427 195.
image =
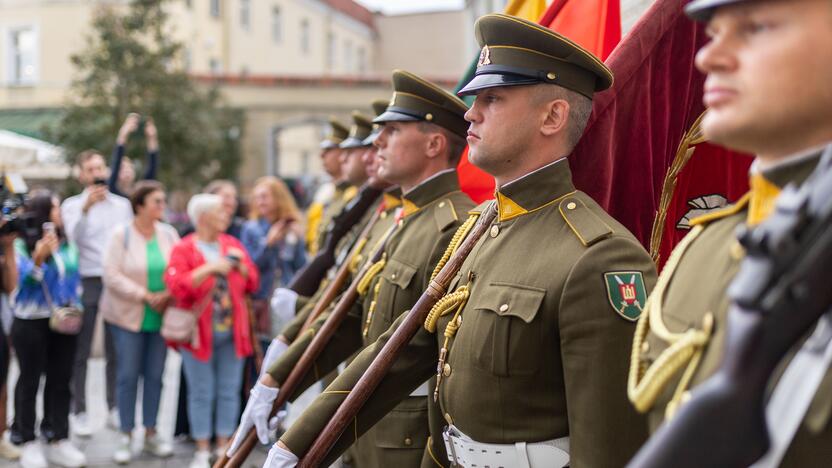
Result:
pixel 419 143
pixel 531 341
pixel 330 159
pixel 766 59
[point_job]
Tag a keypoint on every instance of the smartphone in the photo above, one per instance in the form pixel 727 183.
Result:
pixel 100 181
pixel 235 260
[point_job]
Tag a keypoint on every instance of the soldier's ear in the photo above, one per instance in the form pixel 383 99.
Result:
pixel 436 144
pixel 556 117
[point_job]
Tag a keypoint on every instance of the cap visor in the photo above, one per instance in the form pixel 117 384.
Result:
pixel 493 80
pixel 351 142
pixel 371 138
pixel 328 144
pixel 393 116
pixel 702 10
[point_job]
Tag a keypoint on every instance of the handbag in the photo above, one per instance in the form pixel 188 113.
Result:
pixel 64 320
pixel 179 324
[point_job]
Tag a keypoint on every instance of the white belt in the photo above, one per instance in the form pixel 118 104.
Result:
pixel 421 391
pixel 466 452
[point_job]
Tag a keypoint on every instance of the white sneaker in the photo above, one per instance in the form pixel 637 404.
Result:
pixel 63 453
pixel 202 459
pixel 31 455
pixel 158 446
pixel 80 424
pixel 123 453
pixel 113 421
pixel 8 450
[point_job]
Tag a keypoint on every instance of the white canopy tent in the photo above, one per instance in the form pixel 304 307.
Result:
pixel 31 158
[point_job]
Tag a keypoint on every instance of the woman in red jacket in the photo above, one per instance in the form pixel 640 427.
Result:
pixel 210 271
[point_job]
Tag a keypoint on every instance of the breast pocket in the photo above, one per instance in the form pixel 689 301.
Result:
pixel 508 338
pixel 396 277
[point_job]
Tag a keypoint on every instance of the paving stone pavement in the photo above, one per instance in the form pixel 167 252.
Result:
pixel 100 446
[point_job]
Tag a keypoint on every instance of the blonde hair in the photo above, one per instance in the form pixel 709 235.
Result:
pixel 285 206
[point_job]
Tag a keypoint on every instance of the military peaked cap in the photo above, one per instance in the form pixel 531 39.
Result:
pixel 337 133
pixel 361 128
pixel 379 106
pixel 519 52
pixel 415 99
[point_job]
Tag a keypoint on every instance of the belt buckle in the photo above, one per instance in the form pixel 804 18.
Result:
pixel 449 446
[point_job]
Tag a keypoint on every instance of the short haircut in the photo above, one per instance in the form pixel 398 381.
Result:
pixel 202 203
pixel 218 184
pixel 580 107
pixel 86 155
pixel 456 144
pixel 141 190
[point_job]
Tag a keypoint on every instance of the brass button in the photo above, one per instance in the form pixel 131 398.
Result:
pixel 503 307
pixel 408 441
pixel 441 204
pixel 571 206
pixel 495 230
pixel 383 215
pixel 428 116
pixel 645 347
pixel 393 276
pixel 448 418
pixel 446 370
pixel 551 76
pixel 459 321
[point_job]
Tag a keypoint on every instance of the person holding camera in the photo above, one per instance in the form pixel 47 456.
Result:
pixel 123 173
pixel 45 343
pixel 8 284
pixel 132 304
pixel 210 273
pixel 273 238
pixel 90 218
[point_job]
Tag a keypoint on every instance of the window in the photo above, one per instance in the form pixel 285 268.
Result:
pixel 187 60
pixel 215 8
pixel 277 29
pixel 362 60
pixel 304 36
pixel 245 14
pixel 215 65
pixel 348 56
pixel 22 55
pixel 330 50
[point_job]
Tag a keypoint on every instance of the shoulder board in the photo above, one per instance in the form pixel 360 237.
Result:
pixel 722 213
pixel 588 226
pixel 480 209
pixel 444 214
pixel 349 193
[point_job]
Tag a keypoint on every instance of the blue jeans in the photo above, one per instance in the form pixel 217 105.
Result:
pixel 141 353
pixel 214 389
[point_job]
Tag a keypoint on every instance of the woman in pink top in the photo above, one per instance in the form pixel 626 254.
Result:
pixel 133 301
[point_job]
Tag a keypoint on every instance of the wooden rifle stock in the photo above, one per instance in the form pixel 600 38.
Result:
pixel 334 287
pixel 306 360
pixel 401 337
pixel 779 293
pixel 307 280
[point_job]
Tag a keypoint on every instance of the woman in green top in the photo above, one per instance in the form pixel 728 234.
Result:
pixel 133 301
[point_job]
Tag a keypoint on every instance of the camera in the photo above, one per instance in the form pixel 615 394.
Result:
pixel 12 197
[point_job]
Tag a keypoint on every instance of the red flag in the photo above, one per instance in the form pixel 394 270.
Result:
pixel 594 24
pixel 643 128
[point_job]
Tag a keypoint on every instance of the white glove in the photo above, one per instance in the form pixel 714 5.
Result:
pixel 255 415
pixel 280 458
pixel 274 351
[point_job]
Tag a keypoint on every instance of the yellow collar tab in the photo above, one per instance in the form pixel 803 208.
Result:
pixel 763 197
pixel 350 193
pixel 429 191
pixel 391 199
pixel 534 190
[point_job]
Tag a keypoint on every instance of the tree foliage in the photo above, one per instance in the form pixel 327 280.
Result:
pixel 131 63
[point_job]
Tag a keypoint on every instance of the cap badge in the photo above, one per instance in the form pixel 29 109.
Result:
pixel 485 57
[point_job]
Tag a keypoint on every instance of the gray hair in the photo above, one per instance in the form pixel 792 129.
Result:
pixel 202 203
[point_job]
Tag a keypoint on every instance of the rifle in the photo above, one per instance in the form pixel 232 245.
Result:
pixel 308 357
pixel 307 280
pixel 401 337
pixel 780 292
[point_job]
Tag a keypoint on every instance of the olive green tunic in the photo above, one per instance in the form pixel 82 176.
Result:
pixel 697 287
pixel 540 352
pixel 430 215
